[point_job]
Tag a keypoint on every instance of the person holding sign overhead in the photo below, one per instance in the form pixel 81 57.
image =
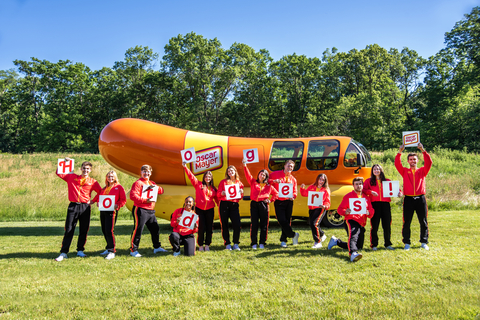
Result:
pixel 206 195
pixel 185 225
pixel 373 186
pixel 414 190
pixel 230 191
pixel 356 208
pixel 109 210
pixel 260 192
pixel 144 194
pixel 286 184
pixel 80 188
pixel 317 192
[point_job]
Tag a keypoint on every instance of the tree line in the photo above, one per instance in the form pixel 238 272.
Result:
pixel 372 94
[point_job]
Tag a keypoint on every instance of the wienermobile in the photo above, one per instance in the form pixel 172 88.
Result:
pixel 128 143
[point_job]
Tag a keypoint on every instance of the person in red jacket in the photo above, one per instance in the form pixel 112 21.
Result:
pixel 381 205
pixel 206 195
pixel 260 192
pixel 284 206
pixel 143 212
pixel 355 223
pixel 108 219
pixel 414 190
pixel 80 188
pixel 316 213
pixel 182 235
pixel 230 208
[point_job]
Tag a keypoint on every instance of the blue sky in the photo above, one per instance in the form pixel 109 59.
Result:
pixel 98 33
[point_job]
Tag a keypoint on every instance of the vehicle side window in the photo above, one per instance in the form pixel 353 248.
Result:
pixel 283 151
pixel 323 154
pixel 351 159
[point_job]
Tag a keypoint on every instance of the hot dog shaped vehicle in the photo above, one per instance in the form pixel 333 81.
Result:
pixel 127 144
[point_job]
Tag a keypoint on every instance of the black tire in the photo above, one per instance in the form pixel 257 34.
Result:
pixel 333 220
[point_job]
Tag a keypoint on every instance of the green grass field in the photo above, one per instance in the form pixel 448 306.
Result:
pixel 292 283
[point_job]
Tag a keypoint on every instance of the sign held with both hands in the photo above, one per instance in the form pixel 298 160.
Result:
pixel 358 205
pixel 411 138
pixel 106 203
pixel 188 219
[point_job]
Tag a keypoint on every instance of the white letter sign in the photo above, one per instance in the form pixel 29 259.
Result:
pixel 188 155
pixel 411 138
pixel 357 205
pixel 390 189
pixel 232 191
pixel 150 192
pixel 64 167
pixel 251 155
pixel 188 219
pixel 106 203
pixel 315 198
pixel 285 190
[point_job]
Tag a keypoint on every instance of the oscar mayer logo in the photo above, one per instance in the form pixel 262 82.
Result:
pixel 410 138
pixel 207 160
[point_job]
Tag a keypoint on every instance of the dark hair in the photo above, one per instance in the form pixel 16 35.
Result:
pixel 325 181
pixel 193 207
pixel 211 181
pixel 86 163
pixel 266 176
pixel 411 155
pixel 357 179
pixel 373 179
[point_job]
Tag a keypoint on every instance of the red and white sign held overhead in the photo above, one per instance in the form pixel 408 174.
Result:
pixel 188 155
pixel 251 155
pixel 411 138
pixel 65 167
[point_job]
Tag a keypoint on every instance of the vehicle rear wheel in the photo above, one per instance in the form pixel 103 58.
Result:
pixel 333 220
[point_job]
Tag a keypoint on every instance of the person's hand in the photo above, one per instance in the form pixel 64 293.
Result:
pixel 400 194
pixel 402 147
pixel 277 181
pixel 244 161
pixel 223 193
pixel 89 202
pixel 67 159
pixel 348 211
pixel 374 194
pixel 116 207
pixel 178 219
pixel 241 191
pixel 302 186
pixel 321 206
pixel 266 201
pixel 420 146
pixel 184 164
pixel 149 200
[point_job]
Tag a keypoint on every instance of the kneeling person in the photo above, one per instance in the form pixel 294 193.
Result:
pixel 355 222
pixel 182 235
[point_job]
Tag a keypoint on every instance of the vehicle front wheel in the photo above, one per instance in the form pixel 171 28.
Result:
pixel 333 220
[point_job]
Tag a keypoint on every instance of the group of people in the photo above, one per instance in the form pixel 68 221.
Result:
pixel 263 190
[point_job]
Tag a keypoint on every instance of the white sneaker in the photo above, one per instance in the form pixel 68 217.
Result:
pixel 295 239
pixel 355 256
pixel 390 248
pixel 283 244
pixel 317 245
pixel 324 237
pixel 200 248
pixel 135 254
pixel 424 246
pixel 407 247
pixel 176 254
pixel 332 243
pixel 104 253
pixel 228 247
pixel 159 249
pixel 110 256
pixel 81 254
pixel 374 249
pixel 262 246
pixel 254 247
pixel 61 257
pixel 207 248
pixel 236 247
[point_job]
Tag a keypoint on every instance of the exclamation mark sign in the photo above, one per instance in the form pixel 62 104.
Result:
pixel 390 185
